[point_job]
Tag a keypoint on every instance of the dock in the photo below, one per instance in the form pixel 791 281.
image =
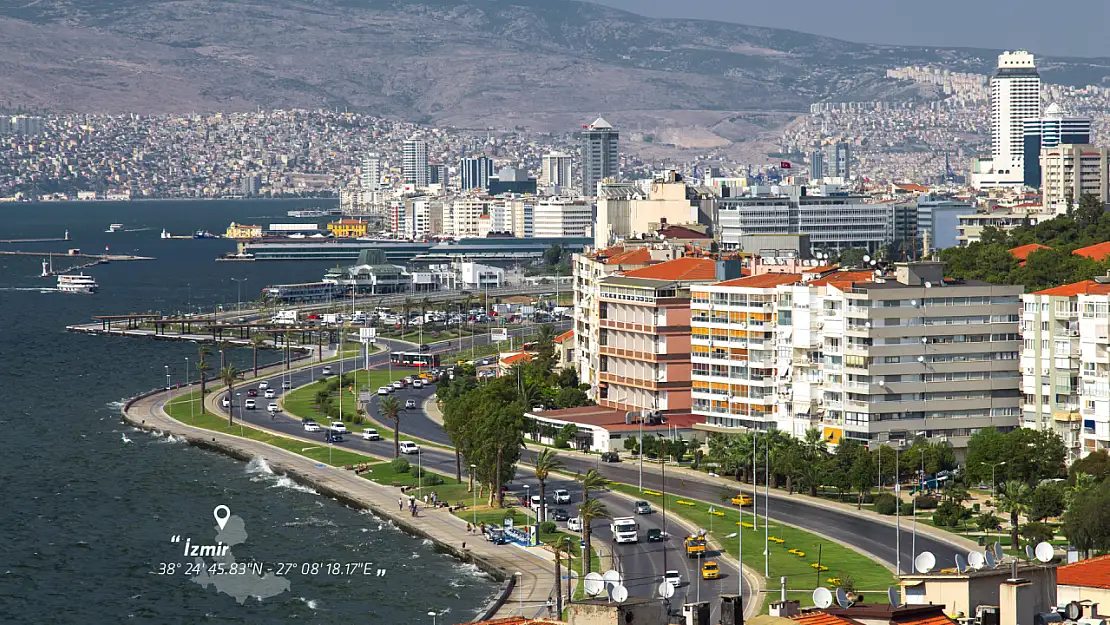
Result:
pixel 106 258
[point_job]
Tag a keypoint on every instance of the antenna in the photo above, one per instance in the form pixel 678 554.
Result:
pixel 991 562
pixel 1073 611
pixel 976 560
pixel 893 597
pixel 593 584
pixel 925 562
pixel 822 598
pixel 998 554
pixel 1029 552
pixel 961 564
pixel 1044 552
pixel 666 589
pixel 620 594
pixel 842 598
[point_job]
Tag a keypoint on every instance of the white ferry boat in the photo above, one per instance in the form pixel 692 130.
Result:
pixel 114 228
pixel 79 283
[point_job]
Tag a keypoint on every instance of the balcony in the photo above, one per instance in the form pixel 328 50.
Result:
pixel 632 354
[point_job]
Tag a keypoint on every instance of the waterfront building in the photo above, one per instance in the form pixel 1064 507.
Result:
pixel 563 217
pixel 1072 171
pixel 414 160
pixel 555 172
pixel 370 176
pixel 371 273
pixel 600 155
pixel 303 293
pixel 1050 131
pixel 474 173
pixel 468 275
pixel 243 231
pixel 1015 96
pixel 348 228
pixel 844 352
pixel 1064 365
pixel 629 210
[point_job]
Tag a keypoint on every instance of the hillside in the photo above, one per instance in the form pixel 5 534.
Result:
pixel 476 63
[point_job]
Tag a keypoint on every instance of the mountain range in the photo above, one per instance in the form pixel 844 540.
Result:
pixel 540 64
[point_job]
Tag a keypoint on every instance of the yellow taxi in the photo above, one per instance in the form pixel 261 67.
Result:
pixel 710 570
pixel 741 500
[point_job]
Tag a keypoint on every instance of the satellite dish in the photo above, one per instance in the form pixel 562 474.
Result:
pixel 866 258
pixel 1073 611
pixel 925 562
pixel 867 324
pixel 1044 552
pixel 991 562
pixel 961 564
pixel 593 584
pixel 998 554
pixel 620 594
pixel 928 284
pixel 976 560
pixel 822 598
pixel 874 262
pixel 1029 552
pixel 893 597
pixel 842 598
pixel 913 303
pixel 666 589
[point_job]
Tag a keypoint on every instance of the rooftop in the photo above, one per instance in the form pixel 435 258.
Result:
pixel 1022 252
pixel 1086 287
pixel 565 336
pixel 764 281
pixel 1099 251
pixel 612 419
pixel 518 358
pixel 843 278
pixel 624 256
pixel 684 269
pixel 1092 573
pixel 681 232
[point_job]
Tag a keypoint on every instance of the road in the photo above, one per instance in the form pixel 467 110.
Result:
pixel 642 564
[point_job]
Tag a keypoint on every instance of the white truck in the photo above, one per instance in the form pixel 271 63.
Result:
pixel 625 530
pixel 288 317
pixel 330 319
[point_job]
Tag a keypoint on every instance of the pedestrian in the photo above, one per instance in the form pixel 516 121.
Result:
pixel 425 500
pixel 469 529
pixel 435 499
pixel 400 504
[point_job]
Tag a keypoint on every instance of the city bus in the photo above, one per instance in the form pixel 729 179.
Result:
pixel 414 359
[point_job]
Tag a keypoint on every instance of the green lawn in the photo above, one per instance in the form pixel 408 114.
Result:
pixel 301 402
pixel 841 561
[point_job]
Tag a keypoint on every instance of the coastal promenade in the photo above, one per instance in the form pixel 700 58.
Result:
pixel 528 573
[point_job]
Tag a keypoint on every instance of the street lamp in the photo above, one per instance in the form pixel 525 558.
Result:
pixel 520 594
pixel 239 294
pixel 167 377
pixel 191 415
pixel 474 491
pixel 994 483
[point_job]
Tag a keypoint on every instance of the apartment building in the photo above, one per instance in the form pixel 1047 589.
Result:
pixel 563 217
pixel 874 358
pixel 1072 171
pixel 626 210
pixel 464 217
pixel 644 336
pixel 1065 364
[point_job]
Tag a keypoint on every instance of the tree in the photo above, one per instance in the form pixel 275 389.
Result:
pixel 589 510
pixel 860 474
pixel 546 462
pixel 203 367
pixel 1090 210
pixel 553 255
pixel 1096 465
pixel 257 341
pixel 562 545
pixel 1014 500
pixel 229 374
pixel 851 258
pixel 545 348
pixel 1087 520
pixel 390 409
pixel 1047 501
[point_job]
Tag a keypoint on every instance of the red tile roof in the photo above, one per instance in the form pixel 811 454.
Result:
pixel 622 256
pixel 763 281
pixel 821 618
pixel 1092 573
pixel 565 336
pixel 684 269
pixel 680 232
pixel 842 278
pixel 1098 251
pixel 1086 287
pixel 821 269
pixel 911 187
pixel 517 358
pixel 1023 251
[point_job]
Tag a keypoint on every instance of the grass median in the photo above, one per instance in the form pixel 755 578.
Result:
pixel 793 552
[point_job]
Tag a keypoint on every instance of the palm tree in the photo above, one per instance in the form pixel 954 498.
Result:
pixel 546 462
pixel 203 367
pixel 229 374
pixel 592 480
pixel 589 510
pixel 390 408
pixel 257 341
pixel 1014 500
pixel 814 444
pixel 563 544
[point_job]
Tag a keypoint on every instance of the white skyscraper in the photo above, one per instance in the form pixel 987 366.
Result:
pixel 1015 96
pixel 555 170
pixel 371 172
pixel 415 162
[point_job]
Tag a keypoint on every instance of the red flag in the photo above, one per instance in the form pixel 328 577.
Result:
pixel 784 164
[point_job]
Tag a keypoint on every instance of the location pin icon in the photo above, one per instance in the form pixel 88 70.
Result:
pixel 222 514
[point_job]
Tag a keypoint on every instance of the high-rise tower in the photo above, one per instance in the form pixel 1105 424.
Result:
pixel 1015 96
pixel 415 162
pixel 371 173
pixel 600 158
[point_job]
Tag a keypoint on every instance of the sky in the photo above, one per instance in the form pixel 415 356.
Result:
pixel 1074 28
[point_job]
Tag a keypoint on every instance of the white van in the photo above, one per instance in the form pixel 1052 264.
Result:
pixel 409 447
pixel 574 524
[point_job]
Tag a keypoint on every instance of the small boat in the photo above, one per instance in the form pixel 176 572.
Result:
pixel 114 228
pixel 166 234
pixel 203 234
pixel 79 283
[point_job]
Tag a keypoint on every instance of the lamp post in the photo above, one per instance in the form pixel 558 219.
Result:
pixel 897 513
pixel 766 508
pixel 474 491
pixel 916 494
pixel 167 377
pixel 755 483
pixel 994 483
pixel 520 594
pixel 239 294
pixel 192 416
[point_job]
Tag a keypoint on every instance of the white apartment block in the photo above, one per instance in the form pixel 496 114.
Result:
pixel 1015 96
pixel 1065 365
pixel 563 217
pixel 513 214
pixel 555 171
pixel 464 218
pixel 370 173
pixel 1070 171
pixel 415 162
pixel 872 358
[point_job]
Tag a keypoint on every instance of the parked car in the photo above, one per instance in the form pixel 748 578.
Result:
pixel 410 403
pixel 311 426
pixel 270 393
pixel 370 434
pixel 409 447
pixel 249 404
pixel 252 393
pixel 495 535
pixel 610 456
pixel 263 385
pixel 643 507
pixel 562 495
pixel 326 371
pixel 339 426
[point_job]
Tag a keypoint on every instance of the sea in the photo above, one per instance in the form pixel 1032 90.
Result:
pixel 90 507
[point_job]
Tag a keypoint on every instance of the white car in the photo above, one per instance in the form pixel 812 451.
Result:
pixel 225 402
pixel 272 408
pixel 263 385
pixel 410 403
pixel 409 447
pixel 574 524
pixel 371 434
pixel 270 393
pixel 398 385
pixel 287 384
pixel 311 426
pixel 417 384
pixel 338 426
pixel 249 404
pixel 326 371
pixel 385 390
pixel 674 577
pixel 562 496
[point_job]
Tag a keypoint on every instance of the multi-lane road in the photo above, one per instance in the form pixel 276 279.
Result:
pixel 642 564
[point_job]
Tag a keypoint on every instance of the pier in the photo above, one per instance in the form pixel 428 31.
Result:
pixel 104 258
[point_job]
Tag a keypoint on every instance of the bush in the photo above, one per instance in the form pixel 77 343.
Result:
pixel 949 514
pixel 1036 532
pixel 400 465
pixel 548 527
pixel 926 502
pixel 885 504
pixel 432 479
pixel 986 522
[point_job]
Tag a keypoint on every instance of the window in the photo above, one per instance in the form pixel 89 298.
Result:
pixel 892 360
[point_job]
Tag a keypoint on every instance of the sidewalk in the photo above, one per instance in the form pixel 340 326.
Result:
pixel 537 576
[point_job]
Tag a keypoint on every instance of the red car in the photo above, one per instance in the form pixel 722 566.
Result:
pixel 252 393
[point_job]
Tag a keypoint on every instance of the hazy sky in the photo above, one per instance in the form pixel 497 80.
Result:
pixel 1072 28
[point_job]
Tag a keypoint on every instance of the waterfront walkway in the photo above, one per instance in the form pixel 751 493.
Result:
pixel 535 584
